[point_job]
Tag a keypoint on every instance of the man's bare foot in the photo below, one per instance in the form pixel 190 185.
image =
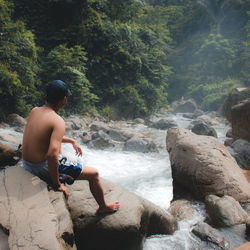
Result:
pixel 109 208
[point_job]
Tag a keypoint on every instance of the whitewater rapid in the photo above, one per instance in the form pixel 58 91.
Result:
pixel 148 175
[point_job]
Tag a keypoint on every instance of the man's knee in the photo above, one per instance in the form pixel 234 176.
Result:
pixel 95 175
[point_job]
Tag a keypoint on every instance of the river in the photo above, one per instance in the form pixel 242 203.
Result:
pixel 149 175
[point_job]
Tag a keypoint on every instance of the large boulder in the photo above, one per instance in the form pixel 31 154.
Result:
pixel 164 123
pixel 241 153
pixel 200 128
pixel 201 165
pixel 224 211
pixel 143 145
pixel 28 216
pixel 16 120
pixel 240 120
pixel 188 106
pixel 235 97
pixel 75 123
pixel 8 155
pixel 125 229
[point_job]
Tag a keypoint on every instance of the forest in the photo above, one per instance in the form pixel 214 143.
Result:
pixel 122 58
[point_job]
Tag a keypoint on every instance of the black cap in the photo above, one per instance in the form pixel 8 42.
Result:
pixel 56 91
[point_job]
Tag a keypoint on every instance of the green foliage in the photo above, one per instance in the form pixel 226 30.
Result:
pixel 18 65
pixel 68 64
pixel 212 96
pixel 124 57
pixel 248 29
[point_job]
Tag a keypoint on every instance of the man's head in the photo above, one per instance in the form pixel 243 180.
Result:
pixel 56 92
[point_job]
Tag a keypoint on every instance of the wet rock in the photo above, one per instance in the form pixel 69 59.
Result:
pixel 182 210
pixel 201 128
pixel 248 226
pixel 240 145
pixel 225 211
pixel 86 137
pixel 242 153
pixel 10 140
pixel 16 120
pixel 142 145
pixel 210 235
pixel 228 143
pixel 240 120
pixel 119 135
pixel 125 229
pixel 100 140
pixel 138 121
pixel 4 125
pixel 229 133
pixel 8 155
pixel 96 126
pixel 201 165
pixel 75 123
pixel 28 215
pixel 164 123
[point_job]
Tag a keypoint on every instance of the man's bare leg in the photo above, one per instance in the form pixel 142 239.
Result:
pixel 92 176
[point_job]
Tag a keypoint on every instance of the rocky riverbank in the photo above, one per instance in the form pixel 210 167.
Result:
pixel 203 171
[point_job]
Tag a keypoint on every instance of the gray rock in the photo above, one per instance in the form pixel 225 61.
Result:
pixel 213 237
pixel 240 120
pixel 225 211
pixel 240 145
pixel 119 135
pixel 101 141
pixel 234 98
pixel 138 121
pixel 228 143
pixel 96 126
pixel 241 153
pixel 125 229
pixel 4 234
pixel 86 137
pixel 203 166
pixel 164 123
pixel 203 129
pixel 4 125
pixel 8 155
pixel 16 120
pixel 27 213
pixel 229 133
pixel 140 145
pixel 188 106
pixel 75 123
pixel 10 140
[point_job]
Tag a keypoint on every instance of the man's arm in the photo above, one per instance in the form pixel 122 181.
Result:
pixel 76 146
pixel 52 154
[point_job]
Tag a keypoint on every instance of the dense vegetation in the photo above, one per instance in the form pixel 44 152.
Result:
pixel 125 58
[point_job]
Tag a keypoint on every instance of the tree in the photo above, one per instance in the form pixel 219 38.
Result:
pixel 18 64
pixel 68 64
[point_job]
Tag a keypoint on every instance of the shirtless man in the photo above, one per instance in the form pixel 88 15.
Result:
pixel 42 140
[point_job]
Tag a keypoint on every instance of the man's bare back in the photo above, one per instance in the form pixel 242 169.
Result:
pixel 42 140
pixel 41 122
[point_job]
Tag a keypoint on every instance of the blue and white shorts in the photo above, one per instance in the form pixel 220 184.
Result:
pixel 67 167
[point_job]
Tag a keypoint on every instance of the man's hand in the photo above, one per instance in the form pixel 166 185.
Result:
pixel 77 148
pixel 65 190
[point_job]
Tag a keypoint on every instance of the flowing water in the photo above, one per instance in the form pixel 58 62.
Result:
pixel 148 175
